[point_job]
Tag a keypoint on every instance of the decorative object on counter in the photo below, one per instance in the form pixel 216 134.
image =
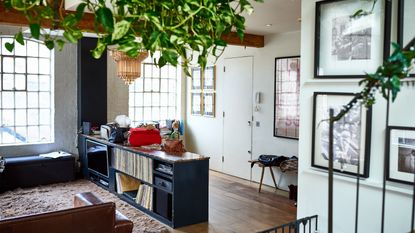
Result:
pixel 400 154
pixel 174 146
pixel 287 97
pixel 2 164
pixel 351 134
pixel 86 127
pixel 144 136
pixel 346 45
pixel 113 133
pixel 128 68
pixel 175 135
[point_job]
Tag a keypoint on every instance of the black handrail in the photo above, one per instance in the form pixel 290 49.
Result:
pixel 296 226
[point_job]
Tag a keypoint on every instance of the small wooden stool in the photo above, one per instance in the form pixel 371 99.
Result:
pixel 262 174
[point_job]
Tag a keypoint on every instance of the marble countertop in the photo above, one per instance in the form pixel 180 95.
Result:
pixel 162 155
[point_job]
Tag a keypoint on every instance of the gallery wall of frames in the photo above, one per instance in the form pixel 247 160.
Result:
pixel 345 47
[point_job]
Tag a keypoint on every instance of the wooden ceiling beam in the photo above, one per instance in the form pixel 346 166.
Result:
pixel 13 17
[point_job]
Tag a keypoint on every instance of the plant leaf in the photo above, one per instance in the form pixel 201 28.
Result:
pixel 9 46
pixel 105 18
pixel 121 28
pixel 80 11
pixel 19 38
pixel 35 30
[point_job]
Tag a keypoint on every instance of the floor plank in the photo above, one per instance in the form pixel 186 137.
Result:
pixel 236 206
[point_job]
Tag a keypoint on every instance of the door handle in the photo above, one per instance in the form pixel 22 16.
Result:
pixel 249 152
pixel 249 123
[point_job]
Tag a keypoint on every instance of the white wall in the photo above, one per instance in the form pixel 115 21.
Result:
pixel 312 183
pixel 204 135
pixel 65 105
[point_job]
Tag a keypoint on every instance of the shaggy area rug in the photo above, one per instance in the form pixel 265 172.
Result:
pixel 60 196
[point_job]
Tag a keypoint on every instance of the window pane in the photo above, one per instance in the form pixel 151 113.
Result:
pixel 32 83
pixel 172 99
pixel 32 100
pixel 172 85
pixel 21 119
pixel 156 114
pixel 156 72
pixel 44 99
pixel 44 66
pixel 165 72
pixel 43 51
pixel 156 85
pixel 163 113
pixel 139 114
pixel 21 100
pixel 9 136
pixel 139 85
pixel 20 65
pixel 44 83
pixel 164 87
pixel 32 49
pixel 33 133
pixel 44 116
pixel 172 113
pixel 147 70
pixel 33 117
pixel 8 65
pixel 147 99
pixel 131 99
pixel 32 65
pixel 147 114
pixel 155 99
pixel 147 84
pixel 8 118
pixel 20 82
pixel 45 133
pixel 20 50
pixel 164 101
pixel 131 113
pixel 8 82
pixel 8 99
pixel 21 134
pixel 172 72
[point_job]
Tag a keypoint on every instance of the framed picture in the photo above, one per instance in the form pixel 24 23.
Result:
pixel 196 103
pixel 346 46
pixel 400 154
pixel 196 79
pixel 406 29
pixel 209 78
pixel 287 97
pixel 351 134
pixel 209 104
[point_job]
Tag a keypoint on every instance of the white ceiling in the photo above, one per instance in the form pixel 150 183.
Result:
pixel 282 14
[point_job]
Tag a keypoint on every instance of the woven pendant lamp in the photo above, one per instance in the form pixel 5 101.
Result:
pixel 128 68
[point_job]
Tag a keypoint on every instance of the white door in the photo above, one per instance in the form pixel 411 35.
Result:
pixel 237 120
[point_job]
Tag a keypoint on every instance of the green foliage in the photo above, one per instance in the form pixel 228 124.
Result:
pixel 178 29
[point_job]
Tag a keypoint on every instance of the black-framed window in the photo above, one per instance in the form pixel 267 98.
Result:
pixel 26 93
pixel 153 97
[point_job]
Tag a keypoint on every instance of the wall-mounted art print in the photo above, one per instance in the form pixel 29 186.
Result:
pixel 347 46
pixel 209 78
pixel 406 29
pixel 287 97
pixel 196 103
pixel 196 79
pixel 401 154
pixel 351 135
pixel 209 104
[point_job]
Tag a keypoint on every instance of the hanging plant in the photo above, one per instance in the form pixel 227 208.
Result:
pixel 175 28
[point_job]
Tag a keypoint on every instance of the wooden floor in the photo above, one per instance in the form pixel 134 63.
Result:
pixel 236 206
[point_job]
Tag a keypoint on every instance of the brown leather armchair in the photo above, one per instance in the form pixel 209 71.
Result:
pixel 90 215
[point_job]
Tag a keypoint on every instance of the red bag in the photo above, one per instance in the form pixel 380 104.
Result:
pixel 144 137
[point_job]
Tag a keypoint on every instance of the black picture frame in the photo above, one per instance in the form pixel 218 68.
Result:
pixel 389 147
pixel 275 97
pixel 386 41
pixel 366 141
pixel 401 25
